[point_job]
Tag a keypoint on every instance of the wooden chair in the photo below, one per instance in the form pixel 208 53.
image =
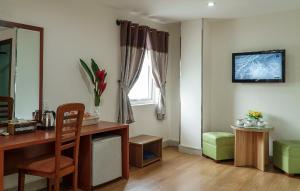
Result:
pixel 68 126
pixel 6 108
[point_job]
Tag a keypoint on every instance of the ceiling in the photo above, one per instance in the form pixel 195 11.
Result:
pixel 167 11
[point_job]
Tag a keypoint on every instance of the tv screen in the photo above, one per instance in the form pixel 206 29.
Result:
pixel 262 66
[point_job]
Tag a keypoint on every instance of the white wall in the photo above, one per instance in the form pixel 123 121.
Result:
pixel 88 30
pixel 190 83
pixel 280 103
pixel 77 29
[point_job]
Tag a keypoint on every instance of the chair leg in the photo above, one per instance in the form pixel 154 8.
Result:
pixel 57 184
pixel 75 180
pixel 49 184
pixel 21 181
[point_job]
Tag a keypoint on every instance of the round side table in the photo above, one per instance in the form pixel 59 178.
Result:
pixel 252 146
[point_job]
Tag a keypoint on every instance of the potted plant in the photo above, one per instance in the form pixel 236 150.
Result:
pixel 255 117
pixel 98 81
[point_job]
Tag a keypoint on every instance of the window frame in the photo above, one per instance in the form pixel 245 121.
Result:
pixel 152 89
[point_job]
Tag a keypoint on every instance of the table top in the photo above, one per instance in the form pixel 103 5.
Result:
pixel 266 128
pixel 144 139
pixel 42 136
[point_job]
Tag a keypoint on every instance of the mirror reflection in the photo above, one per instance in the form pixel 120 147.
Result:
pixel 19 72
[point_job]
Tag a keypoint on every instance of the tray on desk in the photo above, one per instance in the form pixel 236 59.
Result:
pixel 21 127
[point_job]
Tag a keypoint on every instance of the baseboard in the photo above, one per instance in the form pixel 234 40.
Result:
pixel 170 143
pixel 188 150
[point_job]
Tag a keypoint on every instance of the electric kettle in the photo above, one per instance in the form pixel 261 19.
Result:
pixel 48 119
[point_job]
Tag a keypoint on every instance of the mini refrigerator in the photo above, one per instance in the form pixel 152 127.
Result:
pixel 107 159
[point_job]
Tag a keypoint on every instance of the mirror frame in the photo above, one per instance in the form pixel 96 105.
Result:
pixel 41 31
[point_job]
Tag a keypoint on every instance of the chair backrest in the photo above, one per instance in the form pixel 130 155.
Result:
pixel 68 125
pixel 6 108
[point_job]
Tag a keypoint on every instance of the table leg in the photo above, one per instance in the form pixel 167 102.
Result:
pixel 125 153
pixel 1 170
pixel 236 159
pixel 267 148
pixel 85 163
pixel 124 133
pixel 251 149
pixel 260 157
pixel 244 148
pixel 262 150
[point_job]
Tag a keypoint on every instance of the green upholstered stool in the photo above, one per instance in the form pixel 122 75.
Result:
pixel 218 145
pixel 286 156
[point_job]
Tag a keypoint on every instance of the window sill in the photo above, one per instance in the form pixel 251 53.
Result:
pixel 137 104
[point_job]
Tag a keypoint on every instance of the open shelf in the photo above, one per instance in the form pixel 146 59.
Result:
pixel 152 160
pixel 146 146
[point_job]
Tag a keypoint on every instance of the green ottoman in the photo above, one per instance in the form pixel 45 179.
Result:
pixel 286 156
pixel 218 145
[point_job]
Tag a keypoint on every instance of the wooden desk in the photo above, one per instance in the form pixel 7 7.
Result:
pixel 251 146
pixel 18 148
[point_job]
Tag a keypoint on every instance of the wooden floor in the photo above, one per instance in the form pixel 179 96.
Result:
pixel 183 172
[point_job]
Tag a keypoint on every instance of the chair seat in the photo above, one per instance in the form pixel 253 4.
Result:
pixel 47 165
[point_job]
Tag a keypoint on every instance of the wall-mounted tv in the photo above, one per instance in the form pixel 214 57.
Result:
pixel 262 66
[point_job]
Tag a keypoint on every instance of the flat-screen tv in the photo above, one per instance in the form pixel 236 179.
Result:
pixel 262 66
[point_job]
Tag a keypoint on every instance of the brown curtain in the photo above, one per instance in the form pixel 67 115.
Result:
pixel 157 43
pixel 133 47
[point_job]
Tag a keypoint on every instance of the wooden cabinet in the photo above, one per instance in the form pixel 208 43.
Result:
pixel 144 150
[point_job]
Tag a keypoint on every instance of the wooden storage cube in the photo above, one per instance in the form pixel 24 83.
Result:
pixel 144 150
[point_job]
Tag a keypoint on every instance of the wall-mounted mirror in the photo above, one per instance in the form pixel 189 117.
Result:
pixel 21 68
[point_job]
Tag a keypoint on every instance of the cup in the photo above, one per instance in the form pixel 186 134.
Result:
pixel 260 123
pixel 240 122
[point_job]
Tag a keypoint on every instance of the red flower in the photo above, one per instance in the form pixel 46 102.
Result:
pixel 100 74
pixel 102 87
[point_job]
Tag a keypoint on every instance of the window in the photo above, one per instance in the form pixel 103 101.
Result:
pixel 144 90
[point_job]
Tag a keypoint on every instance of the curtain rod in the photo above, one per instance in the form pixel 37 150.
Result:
pixel 118 22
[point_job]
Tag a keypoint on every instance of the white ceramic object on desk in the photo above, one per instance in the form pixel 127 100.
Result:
pixel 249 123
pixel 240 122
pixel 261 124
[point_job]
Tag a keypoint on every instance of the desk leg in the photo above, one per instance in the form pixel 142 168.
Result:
pixel 1 170
pixel 124 133
pixel 125 153
pixel 85 163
